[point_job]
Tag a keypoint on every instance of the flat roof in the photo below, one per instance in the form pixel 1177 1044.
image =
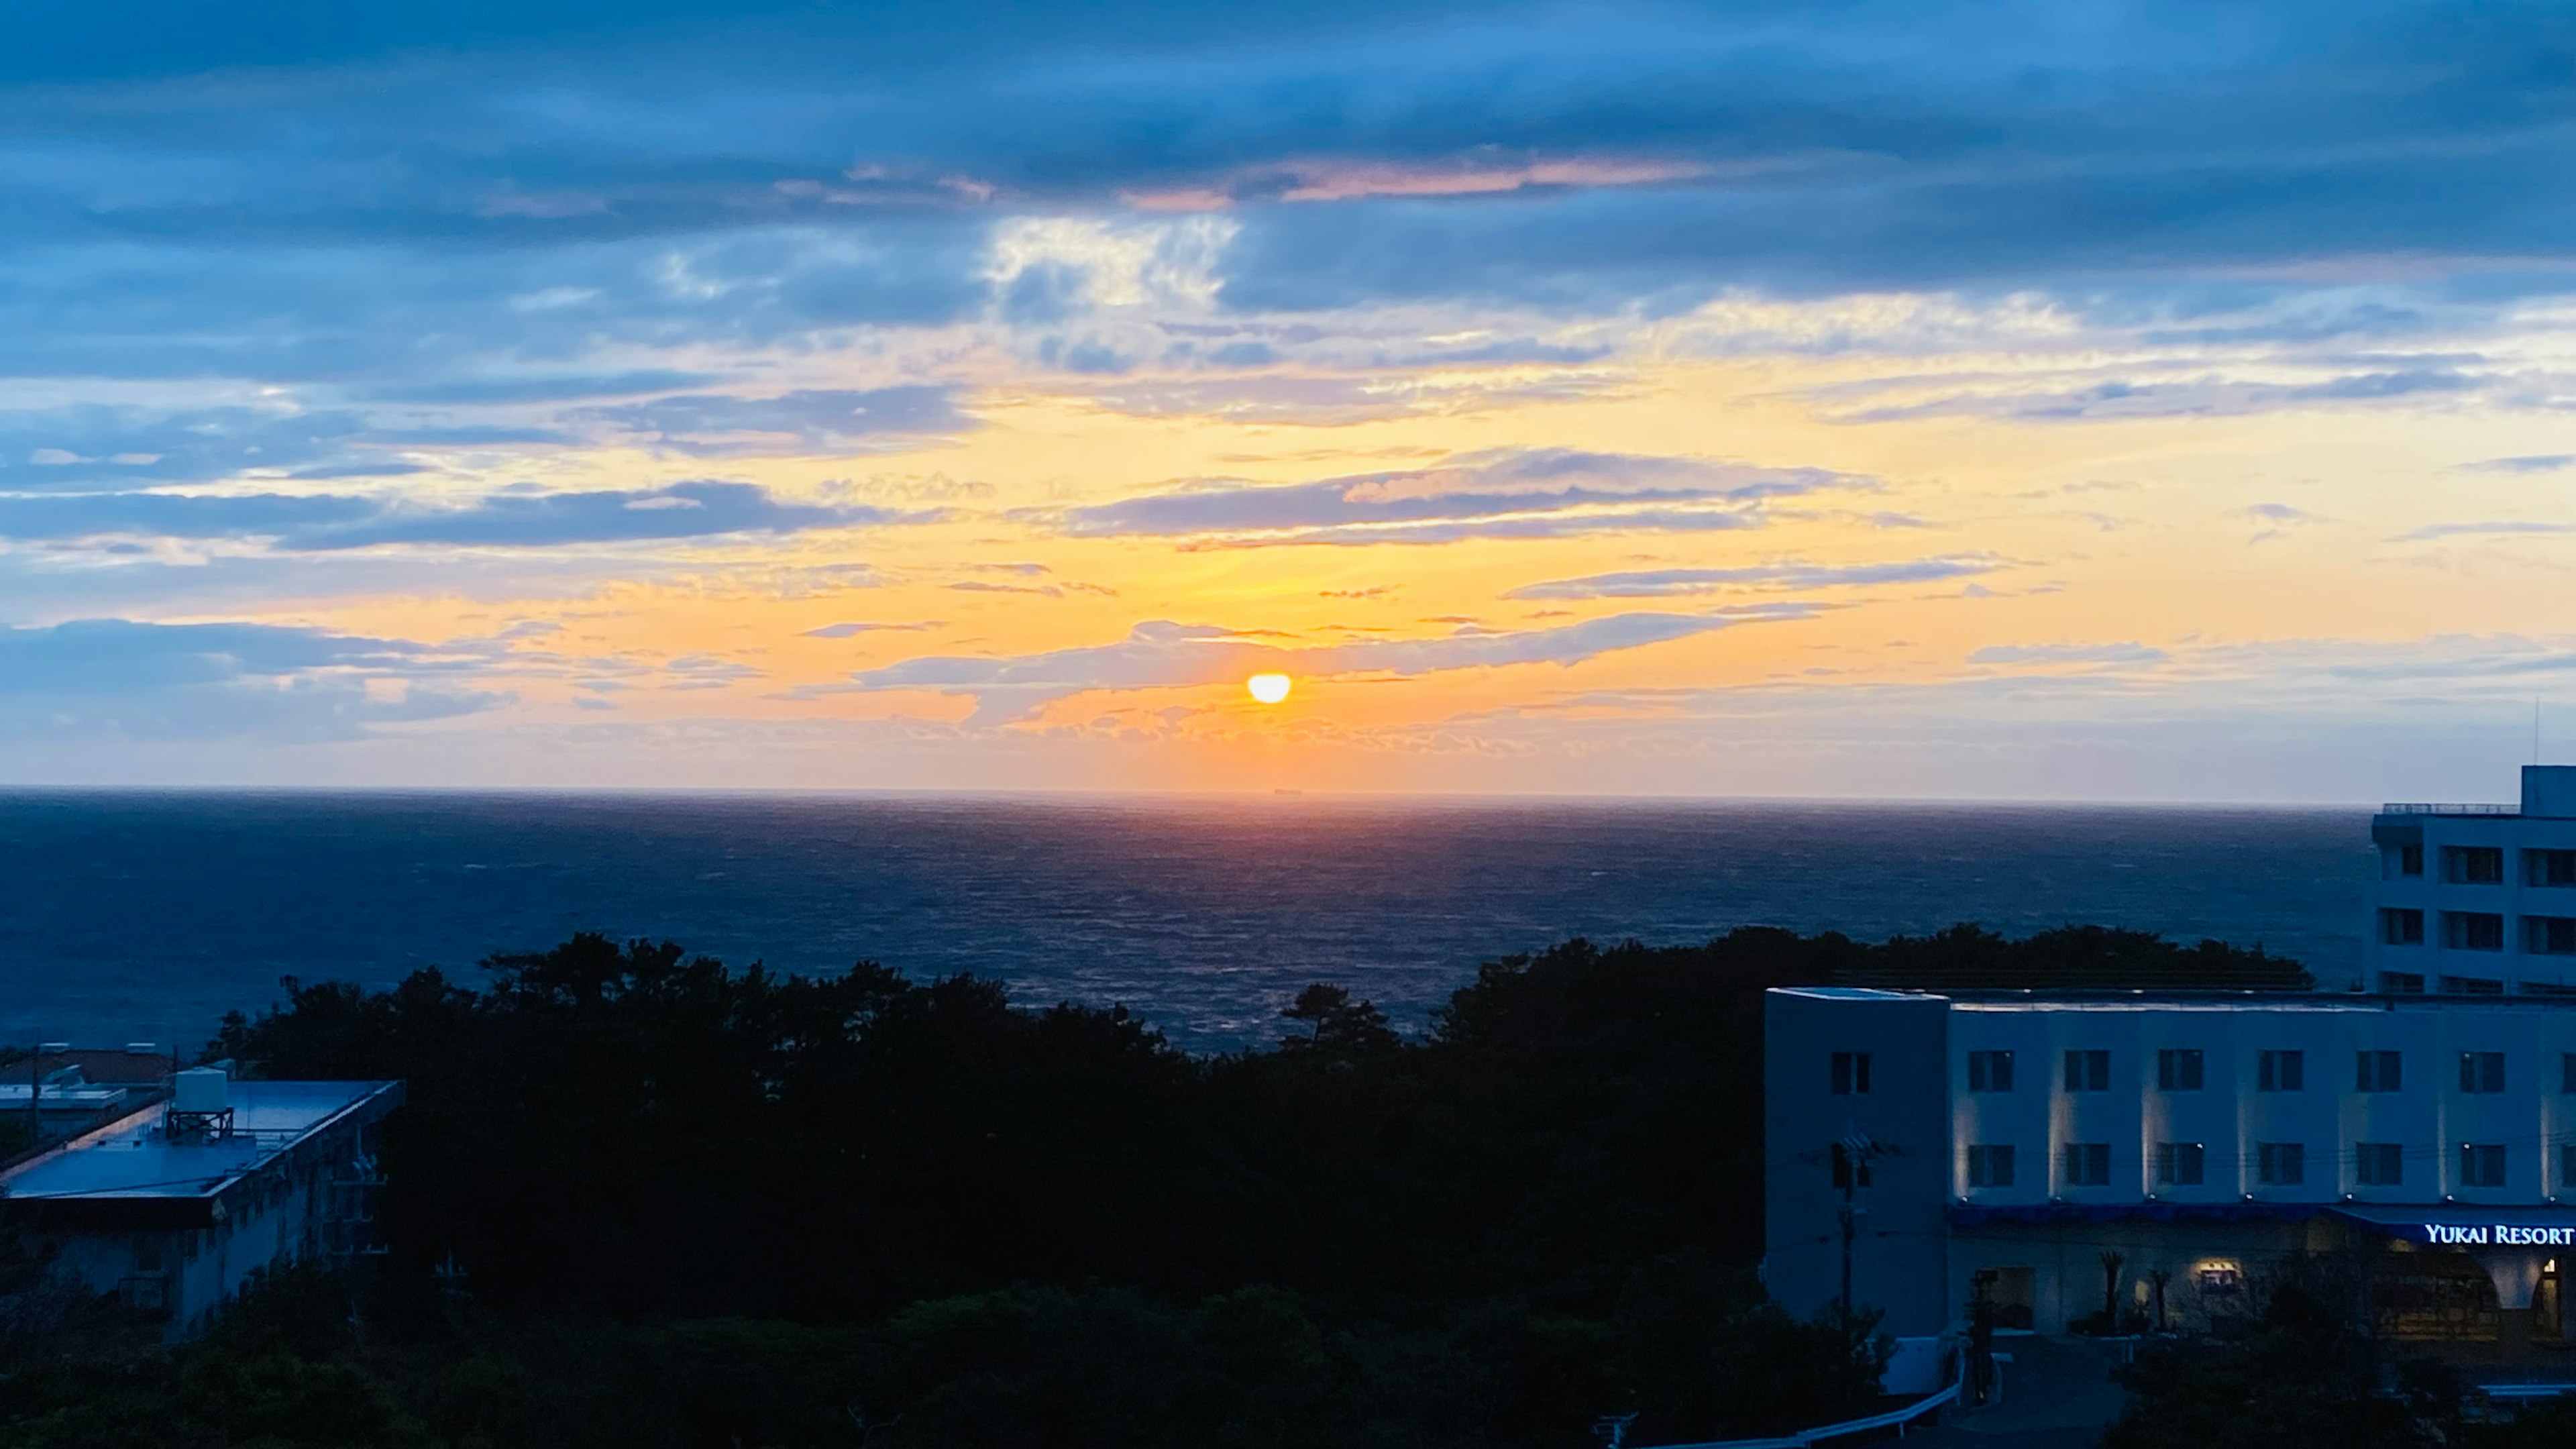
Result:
pixel 1855 993
pixel 94 1096
pixel 131 1158
pixel 2078 999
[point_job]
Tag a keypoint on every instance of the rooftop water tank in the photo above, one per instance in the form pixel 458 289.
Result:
pixel 200 1089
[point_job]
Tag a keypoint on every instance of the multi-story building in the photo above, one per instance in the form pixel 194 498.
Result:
pixel 2201 1139
pixel 2477 899
pixel 2123 1159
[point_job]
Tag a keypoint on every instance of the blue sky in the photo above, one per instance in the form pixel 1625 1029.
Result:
pixel 522 393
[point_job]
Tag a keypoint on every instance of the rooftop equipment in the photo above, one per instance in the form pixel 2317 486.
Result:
pixel 200 1106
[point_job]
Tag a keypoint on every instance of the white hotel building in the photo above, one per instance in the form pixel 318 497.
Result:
pixel 2419 1140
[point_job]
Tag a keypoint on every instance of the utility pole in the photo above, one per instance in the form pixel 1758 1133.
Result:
pixel 1850 1216
pixel 1856 1151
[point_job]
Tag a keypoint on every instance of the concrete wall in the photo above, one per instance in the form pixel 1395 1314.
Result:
pixel 1896 1259
pixel 278 1215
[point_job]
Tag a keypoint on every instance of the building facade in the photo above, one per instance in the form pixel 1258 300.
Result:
pixel 2122 1160
pixel 175 1207
pixel 2477 900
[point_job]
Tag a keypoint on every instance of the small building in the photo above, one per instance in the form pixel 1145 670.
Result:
pixel 2477 899
pixel 62 1091
pixel 176 1206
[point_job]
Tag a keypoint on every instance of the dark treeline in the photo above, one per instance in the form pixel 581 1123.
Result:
pixel 698 1205
pixel 2299 1376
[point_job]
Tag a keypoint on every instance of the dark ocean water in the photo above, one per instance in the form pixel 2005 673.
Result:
pixel 131 915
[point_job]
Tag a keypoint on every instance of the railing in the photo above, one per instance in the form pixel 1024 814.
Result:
pixel 2420 807
pixel 1807 1438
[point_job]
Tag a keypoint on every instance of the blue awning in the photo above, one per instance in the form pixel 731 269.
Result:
pixel 2467 1225
pixel 1969 1215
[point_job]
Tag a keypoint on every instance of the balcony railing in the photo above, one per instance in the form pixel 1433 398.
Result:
pixel 2420 807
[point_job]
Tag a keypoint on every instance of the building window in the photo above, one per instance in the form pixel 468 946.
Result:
pixel 2566 1165
pixel 2481 1071
pixel 2402 983
pixel 2088 1164
pixel 2088 1071
pixel 2549 935
pixel 2178 1164
pixel 2567 1072
pixel 2280 1164
pixel 1990 1166
pixel 2473 864
pixel 1990 1071
pixel 2473 930
pixel 1851 1073
pixel 2549 867
pixel 1848 1174
pixel 2378 1164
pixel 2178 1070
pixel 2378 1072
pixel 2401 927
pixel 2482 1164
pixel 2472 986
pixel 2281 1072
pixel 2403 860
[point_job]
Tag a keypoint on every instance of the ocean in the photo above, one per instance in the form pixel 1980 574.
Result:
pixel 137 915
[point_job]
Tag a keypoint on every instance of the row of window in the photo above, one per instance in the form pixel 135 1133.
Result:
pixel 2276 1164
pixel 2185 1069
pixel 2479 931
pixel 2484 865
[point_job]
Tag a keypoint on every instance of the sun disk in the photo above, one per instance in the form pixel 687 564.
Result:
pixel 1268 688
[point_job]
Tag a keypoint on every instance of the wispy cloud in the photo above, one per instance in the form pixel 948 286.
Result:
pixel 811 421
pixel 852 630
pixel 521 519
pixel 2529 463
pixel 122 678
pixel 2275 520
pixel 2205 397
pixel 1164 655
pixel 2130 652
pixel 1668 583
pixel 1521 493
pixel 2497 528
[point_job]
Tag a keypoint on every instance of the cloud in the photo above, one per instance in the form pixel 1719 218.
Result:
pixel 2530 463
pixel 846 631
pixel 95 445
pixel 2206 397
pixel 538 388
pixel 1480 173
pixel 1671 583
pixel 2275 520
pixel 1165 655
pixel 2498 528
pixel 1514 493
pixel 122 678
pixel 806 421
pixel 525 519
pixel 1378 392
pixel 2130 652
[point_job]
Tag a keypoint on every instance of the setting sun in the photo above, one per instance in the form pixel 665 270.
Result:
pixel 1268 688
